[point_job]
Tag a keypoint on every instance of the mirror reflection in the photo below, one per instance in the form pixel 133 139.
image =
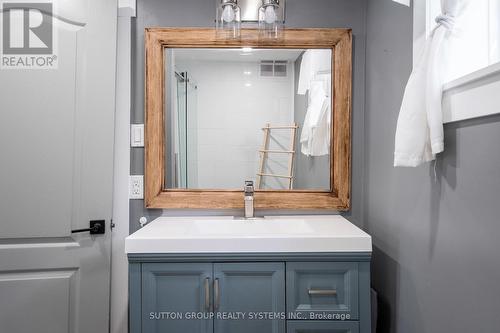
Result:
pixel 248 114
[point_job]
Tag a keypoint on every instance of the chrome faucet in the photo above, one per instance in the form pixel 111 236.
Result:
pixel 249 212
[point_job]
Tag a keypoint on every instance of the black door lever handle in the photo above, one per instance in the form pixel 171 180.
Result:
pixel 96 228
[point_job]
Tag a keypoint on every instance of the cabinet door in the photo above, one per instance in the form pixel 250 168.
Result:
pixel 305 326
pixel 172 294
pixel 244 293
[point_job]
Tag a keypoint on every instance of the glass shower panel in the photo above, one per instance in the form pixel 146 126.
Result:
pixel 186 155
pixel 192 132
pixel 181 145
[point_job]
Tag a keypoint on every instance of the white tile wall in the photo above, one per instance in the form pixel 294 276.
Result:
pixel 234 103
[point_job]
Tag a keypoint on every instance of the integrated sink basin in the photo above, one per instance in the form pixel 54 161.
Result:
pixel 275 234
pixel 265 227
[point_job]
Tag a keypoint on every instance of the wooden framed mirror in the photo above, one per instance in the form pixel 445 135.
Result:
pixel 172 157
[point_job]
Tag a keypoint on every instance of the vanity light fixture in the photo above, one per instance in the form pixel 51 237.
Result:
pixel 270 19
pixel 266 15
pixel 228 19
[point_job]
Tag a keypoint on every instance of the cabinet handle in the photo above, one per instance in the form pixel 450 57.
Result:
pixel 216 294
pixel 322 292
pixel 207 294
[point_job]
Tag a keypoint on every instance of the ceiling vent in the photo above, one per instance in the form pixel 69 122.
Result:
pixel 273 68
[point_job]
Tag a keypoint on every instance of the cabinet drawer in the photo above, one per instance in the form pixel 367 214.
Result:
pixel 322 290
pixel 322 326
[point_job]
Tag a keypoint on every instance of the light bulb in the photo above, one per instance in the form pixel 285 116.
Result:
pixel 228 14
pixel 270 15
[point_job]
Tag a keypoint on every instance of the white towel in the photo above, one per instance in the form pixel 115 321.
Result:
pixel 315 134
pixel 313 62
pixel 419 132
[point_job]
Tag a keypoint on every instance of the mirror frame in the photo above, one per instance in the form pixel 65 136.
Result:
pixel 337 198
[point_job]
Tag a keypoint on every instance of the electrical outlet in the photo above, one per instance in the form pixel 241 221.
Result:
pixel 136 187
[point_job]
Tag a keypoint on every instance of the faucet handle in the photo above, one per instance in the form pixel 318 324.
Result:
pixel 249 187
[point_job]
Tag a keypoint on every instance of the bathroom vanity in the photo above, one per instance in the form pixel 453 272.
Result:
pixel 223 111
pixel 276 274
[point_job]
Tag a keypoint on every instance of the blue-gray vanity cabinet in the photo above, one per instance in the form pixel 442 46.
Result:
pixel 294 285
pixel 173 290
pixel 250 289
pixel 295 326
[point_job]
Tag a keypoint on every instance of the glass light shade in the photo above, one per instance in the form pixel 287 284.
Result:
pixel 270 19
pixel 228 19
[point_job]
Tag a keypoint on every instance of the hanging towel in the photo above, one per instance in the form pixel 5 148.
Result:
pixel 419 132
pixel 314 77
pixel 315 134
pixel 313 62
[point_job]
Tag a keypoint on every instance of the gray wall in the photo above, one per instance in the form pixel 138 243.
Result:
pixel 299 13
pixel 436 248
pixel 435 262
pixel 310 171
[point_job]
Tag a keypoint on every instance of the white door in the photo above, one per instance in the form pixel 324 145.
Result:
pixel 56 163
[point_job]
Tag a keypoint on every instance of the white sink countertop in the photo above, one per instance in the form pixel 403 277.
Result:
pixel 272 234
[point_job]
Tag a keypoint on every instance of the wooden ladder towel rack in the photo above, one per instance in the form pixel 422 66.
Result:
pixel 264 151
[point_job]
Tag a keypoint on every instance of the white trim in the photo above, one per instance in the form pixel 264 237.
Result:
pixel 420 17
pixel 471 96
pixel 127 8
pixel 119 263
pixel 473 77
pixel 403 2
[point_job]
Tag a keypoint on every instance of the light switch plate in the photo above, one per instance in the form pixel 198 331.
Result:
pixel 137 135
pixel 136 187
